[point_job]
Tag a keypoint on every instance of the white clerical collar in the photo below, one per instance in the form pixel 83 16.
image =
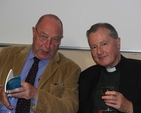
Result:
pixel 111 69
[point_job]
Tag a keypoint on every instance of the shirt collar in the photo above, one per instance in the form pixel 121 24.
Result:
pixel 31 56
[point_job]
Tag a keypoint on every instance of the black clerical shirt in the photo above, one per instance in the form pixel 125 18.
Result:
pixel 106 79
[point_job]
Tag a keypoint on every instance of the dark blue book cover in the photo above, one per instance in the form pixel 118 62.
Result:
pixel 13 83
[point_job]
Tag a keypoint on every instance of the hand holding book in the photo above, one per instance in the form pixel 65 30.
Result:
pixel 12 82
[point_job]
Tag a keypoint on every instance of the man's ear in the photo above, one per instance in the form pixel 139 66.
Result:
pixel 33 31
pixel 118 42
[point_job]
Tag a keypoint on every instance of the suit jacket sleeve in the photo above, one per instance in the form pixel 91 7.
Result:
pixel 130 82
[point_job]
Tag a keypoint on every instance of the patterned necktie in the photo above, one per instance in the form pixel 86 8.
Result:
pixel 23 105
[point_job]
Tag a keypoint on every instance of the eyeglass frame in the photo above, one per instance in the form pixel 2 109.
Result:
pixel 44 39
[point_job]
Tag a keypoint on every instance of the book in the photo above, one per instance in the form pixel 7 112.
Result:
pixel 11 82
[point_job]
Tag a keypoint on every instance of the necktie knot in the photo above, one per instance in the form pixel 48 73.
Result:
pixel 36 59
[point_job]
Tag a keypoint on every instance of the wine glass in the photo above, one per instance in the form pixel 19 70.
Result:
pixel 103 90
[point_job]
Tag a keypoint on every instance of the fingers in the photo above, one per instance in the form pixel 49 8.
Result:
pixel 17 93
pixel 117 101
pixel 6 102
pixel 16 90
pixel 27 91
pixel 112 99
pixel 111 93
pixel 24 85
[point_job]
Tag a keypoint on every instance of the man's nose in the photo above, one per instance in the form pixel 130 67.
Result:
pixel 47 43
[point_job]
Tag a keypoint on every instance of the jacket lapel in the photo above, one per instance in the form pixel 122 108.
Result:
pixel 19 60
pixel 49 70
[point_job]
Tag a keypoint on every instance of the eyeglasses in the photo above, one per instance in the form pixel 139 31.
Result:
pixel 43 38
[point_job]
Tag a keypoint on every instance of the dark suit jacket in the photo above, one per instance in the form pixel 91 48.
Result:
pixel 130 84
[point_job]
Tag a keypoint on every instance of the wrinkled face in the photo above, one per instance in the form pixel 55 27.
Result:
pixel 105 50
pixel 46 38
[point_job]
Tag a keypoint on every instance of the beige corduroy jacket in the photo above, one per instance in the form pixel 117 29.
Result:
pixel 57 88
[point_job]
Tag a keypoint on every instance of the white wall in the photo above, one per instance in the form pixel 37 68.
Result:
pixel 18 16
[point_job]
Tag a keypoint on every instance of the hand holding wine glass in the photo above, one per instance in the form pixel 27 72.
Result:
pixel 105 89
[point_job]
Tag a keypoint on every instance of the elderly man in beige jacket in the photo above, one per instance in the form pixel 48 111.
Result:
pixel 55 89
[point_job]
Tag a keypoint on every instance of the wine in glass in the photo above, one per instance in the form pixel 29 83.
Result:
pixel 103 90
